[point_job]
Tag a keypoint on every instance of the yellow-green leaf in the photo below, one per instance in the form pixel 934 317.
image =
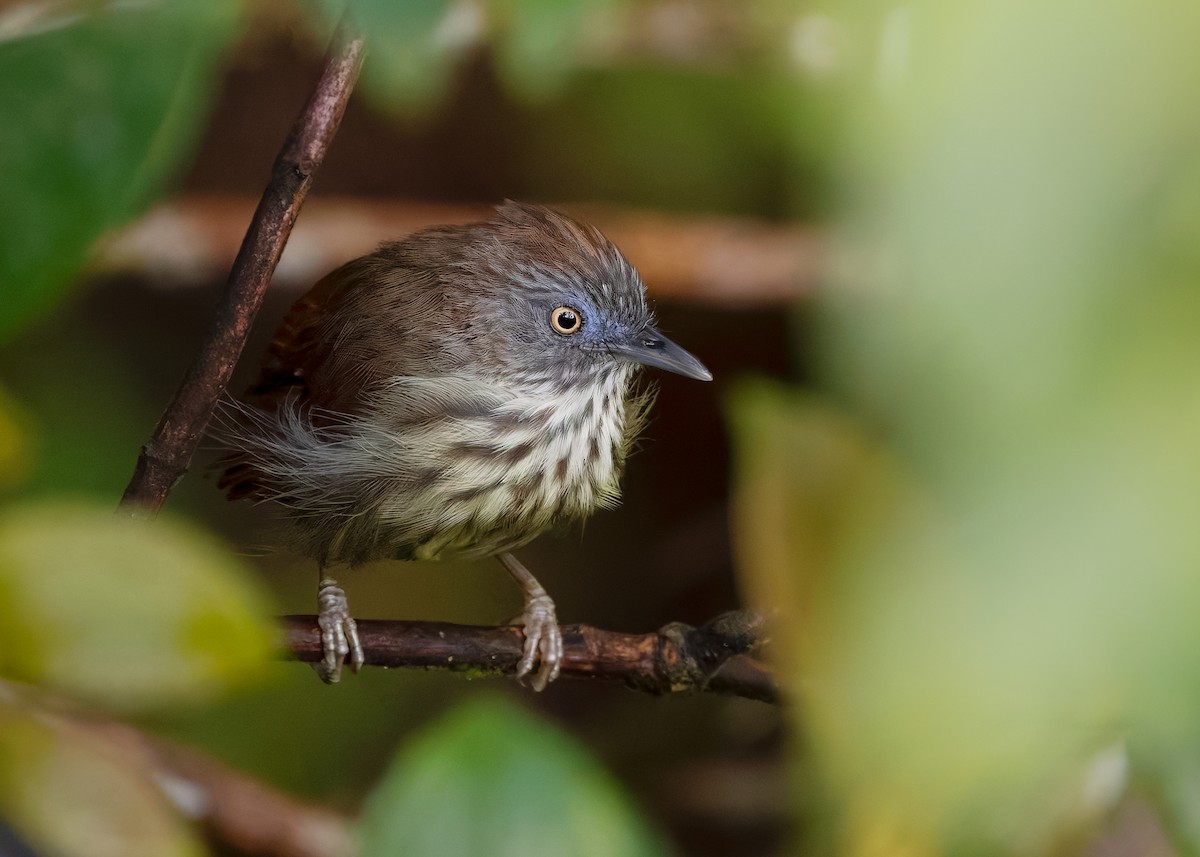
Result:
pixel 1019 342
pixel 127 614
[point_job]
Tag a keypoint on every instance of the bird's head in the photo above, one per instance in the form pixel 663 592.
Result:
pixel 566 303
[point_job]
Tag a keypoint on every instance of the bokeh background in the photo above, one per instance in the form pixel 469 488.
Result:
pixel 941 258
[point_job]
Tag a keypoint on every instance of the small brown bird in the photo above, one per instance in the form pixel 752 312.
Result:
pixel 456 393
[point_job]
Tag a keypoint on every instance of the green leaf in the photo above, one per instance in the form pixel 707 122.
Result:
pixel 1174 788
pixel 930 711
pixel 542 41
pixel 490 779
pixel 95 114
pixel 807 482
pixel 412 48
pixel 1014 589
pixel 643 133
pixel 68 792
pixel 65 369
pixel 126 614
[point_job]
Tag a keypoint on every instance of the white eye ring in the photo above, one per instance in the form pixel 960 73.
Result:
pixel 566 320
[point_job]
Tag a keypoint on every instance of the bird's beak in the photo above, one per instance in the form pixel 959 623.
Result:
pixel 651 348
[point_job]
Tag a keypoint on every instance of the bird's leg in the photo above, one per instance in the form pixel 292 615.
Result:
pixel 339 633
pixel 543 639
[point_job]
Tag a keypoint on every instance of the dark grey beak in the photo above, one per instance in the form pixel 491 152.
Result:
pixel 651 348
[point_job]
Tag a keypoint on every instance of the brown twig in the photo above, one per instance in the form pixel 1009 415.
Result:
pixel 234 807
pixel 242 811
pixel 167 454
pixel 676 658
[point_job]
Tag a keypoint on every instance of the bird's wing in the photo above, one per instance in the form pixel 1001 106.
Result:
pixel 290 379
pixel 373 319
pixel 298 345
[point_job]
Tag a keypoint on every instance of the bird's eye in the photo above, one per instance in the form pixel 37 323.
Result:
pixel 565 320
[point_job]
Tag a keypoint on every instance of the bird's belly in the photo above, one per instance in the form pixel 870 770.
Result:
pixel 501 509
pixel 498 490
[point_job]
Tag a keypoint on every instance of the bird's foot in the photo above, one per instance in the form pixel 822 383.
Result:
pixel 543 637
pixel 543 643
pixel 339 633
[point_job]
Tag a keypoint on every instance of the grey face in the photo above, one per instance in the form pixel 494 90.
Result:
pixel 584 326
pixel 565 300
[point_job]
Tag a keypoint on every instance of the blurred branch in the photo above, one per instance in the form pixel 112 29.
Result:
pixel 235 808
pixel 744 676
pixel 676 658
pixel 166 456
pixel 721 259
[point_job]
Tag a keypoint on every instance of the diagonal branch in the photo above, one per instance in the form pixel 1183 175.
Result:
pixel 167 454
pixel 233 807
pixel 676 658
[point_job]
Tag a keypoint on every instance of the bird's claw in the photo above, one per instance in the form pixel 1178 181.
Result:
pixel 543 643
pixel 339 633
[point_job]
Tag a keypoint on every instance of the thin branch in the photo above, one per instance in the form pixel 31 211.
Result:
pixel 233 807
pixel 676 658
pixel 244 812
pixel 167 454
pixel 747 677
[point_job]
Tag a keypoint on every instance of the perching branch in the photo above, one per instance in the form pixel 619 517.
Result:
pixel 676 658
pixel 166 456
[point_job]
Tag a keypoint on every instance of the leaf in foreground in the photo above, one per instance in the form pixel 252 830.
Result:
pixel 127 614
pixel 97 112
pixel 490 779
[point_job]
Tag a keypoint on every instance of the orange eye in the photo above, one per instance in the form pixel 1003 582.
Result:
pixel 565 320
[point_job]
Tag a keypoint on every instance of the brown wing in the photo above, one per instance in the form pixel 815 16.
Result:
pixel 297 346
pixel 290 370
pixel 378 317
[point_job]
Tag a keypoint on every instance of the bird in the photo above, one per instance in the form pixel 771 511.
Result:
pixel 456 393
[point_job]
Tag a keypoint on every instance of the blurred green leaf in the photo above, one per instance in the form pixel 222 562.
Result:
pixel 804 476
pixel 412 47
pixel 84 402
pixel 930 719
pixel 95 115
pixel 645 133
pixel 541 41
pixel 1013 587
pixel 127 614
pixel 490 779
pixel 71 794
pixel 1175 790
